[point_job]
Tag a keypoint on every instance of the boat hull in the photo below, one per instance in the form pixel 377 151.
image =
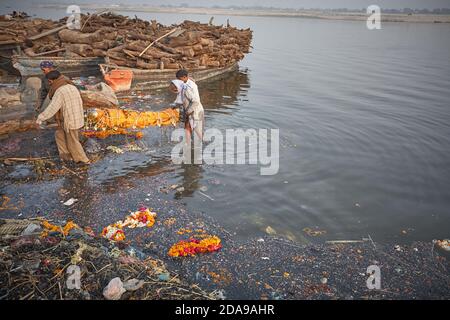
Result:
pixel 157 79
pixel 74 67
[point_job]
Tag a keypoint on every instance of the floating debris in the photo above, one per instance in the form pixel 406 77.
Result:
pixel 115 149
pixel 270 230
pixel 114 289
pixel 314 233
pixel 443 244
pixel 70 202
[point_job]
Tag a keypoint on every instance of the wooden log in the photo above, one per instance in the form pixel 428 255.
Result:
pixel 117 56
pixel 123 63
pixel 109 35
pixel 30 52
pixel 152 53
pixel 73 36
pixel 174 66
pixel 166 48
pixel 47 33
pixel 102 99
pixel 7 42
pixel 129 53
pixel 197 47
pixel 213 63
pixel 118 48
pixel 140 63
pixel 186 51
pixel 206 42
pixel 98 53
pixel 104 45
pixel 7 37
pixel 16 125
pixel 83 50
pixel 162 37
pixel 139 36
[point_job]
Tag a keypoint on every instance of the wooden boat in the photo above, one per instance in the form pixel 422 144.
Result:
pixel 144 79
pixel 71 67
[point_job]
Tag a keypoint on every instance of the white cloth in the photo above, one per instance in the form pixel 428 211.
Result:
pixel 179 84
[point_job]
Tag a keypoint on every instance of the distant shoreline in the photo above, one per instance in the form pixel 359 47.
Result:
pixel 312 14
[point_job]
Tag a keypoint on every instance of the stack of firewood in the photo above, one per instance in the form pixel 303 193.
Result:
pixel 129 42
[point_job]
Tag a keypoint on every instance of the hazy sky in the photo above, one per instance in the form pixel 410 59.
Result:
pixel 389 4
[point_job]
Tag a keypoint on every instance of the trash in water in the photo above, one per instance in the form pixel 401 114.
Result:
pixel 164 276
pixel 133 284
pixel 270 230
pixel 70 202
pixel 114 289
pixel 314 233
pixel 443 244
pixel 133 147
pixel 115 149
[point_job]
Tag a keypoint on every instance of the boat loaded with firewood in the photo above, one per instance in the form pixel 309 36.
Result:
pixel 149 49
pixel 129 53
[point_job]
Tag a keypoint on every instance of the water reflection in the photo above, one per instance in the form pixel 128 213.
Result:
pixel 221 93
pixel 191 175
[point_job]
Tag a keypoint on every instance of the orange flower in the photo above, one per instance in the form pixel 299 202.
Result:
pixel 195 246
pixel 48 227
pixel 139 135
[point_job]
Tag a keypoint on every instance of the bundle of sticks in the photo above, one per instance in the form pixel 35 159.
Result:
pixel 131 42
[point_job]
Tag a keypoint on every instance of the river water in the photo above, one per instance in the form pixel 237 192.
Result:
pixel 364 132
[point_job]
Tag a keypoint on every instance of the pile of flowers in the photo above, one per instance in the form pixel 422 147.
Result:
pixel 194 246
pixel 443 244
pixel 141 218
pixel 113 232
pixel 48 227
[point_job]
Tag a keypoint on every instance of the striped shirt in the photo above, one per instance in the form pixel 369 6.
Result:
pixel 68 99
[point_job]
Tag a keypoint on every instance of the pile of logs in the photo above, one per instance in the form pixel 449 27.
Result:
pixel 129 42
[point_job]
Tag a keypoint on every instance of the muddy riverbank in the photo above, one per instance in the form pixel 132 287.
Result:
pixel 268 267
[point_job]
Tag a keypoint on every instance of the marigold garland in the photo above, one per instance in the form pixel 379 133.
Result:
pixel 48 227
pixel 102 123
pixel 141 218
pixel 194 246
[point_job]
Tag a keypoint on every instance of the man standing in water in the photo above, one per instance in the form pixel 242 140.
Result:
pixel 67 107
pixel 193 108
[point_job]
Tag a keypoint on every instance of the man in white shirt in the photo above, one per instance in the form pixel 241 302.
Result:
pixel 192 105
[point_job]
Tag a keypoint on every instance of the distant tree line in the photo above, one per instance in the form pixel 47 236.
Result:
pixel 398 11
